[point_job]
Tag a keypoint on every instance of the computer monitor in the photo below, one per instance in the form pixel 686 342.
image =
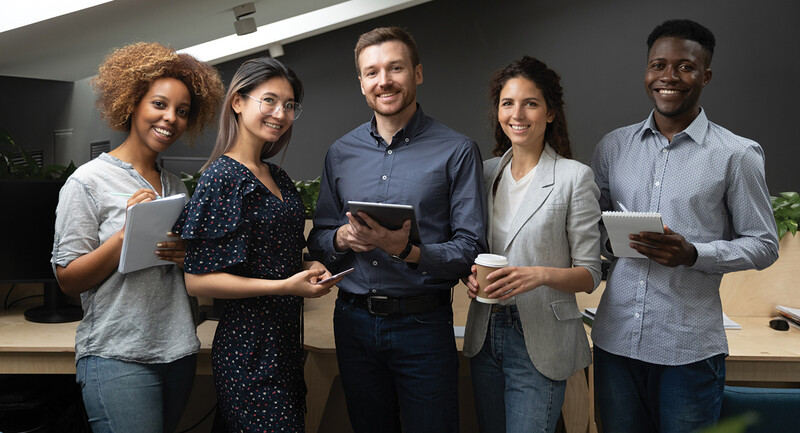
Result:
pixel 27 225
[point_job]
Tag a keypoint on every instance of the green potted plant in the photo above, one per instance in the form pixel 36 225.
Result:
pixel 309 192
pixel 29 169
pixel 786 208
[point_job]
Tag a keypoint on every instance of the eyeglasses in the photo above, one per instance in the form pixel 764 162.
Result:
pixel 269 106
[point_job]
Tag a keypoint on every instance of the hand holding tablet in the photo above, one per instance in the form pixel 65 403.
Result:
pixel 388 215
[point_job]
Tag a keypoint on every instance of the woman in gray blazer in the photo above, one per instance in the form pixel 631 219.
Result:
pixel 543 216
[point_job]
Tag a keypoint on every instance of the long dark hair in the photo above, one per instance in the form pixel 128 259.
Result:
pixel 548 81
pixel 249 76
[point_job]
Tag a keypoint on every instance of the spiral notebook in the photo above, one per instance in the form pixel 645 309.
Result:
pixel 620 225
pixel 147 224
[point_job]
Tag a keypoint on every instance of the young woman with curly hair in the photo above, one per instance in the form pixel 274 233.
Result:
pixel 543 215
pixel 136 346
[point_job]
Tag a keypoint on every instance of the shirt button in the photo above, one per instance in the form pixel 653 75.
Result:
pixel 664 151
pixel 658 183
pixel 407 140
pixel 636 315
pixel 375 263
pixel 424 272
pixel 374 291
pixel 384 177
pixel 389 152
pixel 641 283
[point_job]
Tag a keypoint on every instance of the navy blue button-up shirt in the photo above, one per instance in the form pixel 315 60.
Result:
pixel 427 165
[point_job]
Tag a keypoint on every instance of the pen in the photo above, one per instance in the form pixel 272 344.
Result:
pixel 122 194
pixel 622 206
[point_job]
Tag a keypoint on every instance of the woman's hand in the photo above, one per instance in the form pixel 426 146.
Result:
pixel 514 280
pixel 173 251
pixel 315 265
pixel 143 195
pixel 472 283
pixel 305 283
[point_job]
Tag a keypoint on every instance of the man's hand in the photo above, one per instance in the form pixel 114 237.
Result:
pixel 373 235
pixel 669 249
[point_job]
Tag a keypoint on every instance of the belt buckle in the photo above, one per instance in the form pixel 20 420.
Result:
pixel 369 305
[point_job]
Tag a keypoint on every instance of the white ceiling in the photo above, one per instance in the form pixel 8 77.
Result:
pixel 70 47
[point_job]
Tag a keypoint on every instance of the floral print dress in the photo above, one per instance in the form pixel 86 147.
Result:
pixel 234 224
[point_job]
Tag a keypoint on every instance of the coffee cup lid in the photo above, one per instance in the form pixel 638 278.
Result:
pixel 493 260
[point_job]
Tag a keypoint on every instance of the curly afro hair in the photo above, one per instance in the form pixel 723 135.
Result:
pixel 126 74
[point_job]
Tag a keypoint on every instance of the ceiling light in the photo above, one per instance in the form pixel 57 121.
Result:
pixel 18 14
pixel 296 28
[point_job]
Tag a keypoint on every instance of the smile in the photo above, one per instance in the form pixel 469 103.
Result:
pixel 519 127
pixel 668 91
pixel 162 131
pixel 387 95
pixel 272 125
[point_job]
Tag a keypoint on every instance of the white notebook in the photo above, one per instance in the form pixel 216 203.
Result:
pixel 146 225
pixel 620 225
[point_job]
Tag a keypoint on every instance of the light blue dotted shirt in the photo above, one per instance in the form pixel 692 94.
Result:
pixel 709 186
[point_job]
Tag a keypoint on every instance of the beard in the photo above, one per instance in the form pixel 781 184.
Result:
pixel 387 111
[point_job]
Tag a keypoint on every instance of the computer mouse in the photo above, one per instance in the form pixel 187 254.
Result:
pixel 779 325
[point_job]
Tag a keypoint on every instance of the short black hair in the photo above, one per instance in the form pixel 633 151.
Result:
pixel 684 29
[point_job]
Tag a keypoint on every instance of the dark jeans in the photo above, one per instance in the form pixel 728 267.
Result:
pixel 635 396
pixel 398 367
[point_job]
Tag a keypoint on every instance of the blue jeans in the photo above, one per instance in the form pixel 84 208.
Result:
pixel 127 397
pixel 510 393
pixel 398 367
pixel 636 396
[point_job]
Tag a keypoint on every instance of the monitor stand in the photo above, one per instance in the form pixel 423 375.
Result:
pixel 55 308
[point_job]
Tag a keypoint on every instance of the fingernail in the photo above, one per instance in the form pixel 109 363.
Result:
pixel 160 245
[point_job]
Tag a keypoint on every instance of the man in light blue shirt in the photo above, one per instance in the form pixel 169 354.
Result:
pixel 393 321
pixel 659 341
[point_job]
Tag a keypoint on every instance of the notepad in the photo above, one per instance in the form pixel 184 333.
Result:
pixel 146 225
pixel 728 323
pixel 620 225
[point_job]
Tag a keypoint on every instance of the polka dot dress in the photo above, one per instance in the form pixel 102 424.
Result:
pixel 235 224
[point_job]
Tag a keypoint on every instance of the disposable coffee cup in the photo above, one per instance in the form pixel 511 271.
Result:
pixel 486 264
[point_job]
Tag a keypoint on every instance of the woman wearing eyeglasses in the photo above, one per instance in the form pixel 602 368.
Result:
pixel 244 232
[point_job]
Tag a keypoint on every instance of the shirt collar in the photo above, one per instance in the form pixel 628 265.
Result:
pixel 696 130
pixel 413 127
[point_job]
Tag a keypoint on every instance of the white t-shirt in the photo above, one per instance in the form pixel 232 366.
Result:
pixel 507 200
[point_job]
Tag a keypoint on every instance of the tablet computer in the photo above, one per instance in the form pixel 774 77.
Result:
pixel 388 215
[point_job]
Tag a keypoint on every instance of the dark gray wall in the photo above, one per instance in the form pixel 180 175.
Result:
pixel 598 48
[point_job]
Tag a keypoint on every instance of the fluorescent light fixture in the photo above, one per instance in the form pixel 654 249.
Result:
pixel 20 13
pixel 296 28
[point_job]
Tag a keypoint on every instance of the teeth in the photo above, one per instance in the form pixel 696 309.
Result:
pixel 518 127
pixel 272 125
pixel 669 92
pixel 163 131
pixel 386 95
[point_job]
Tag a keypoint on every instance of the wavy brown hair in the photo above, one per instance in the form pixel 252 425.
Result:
pixel 548 81
pixel 126 74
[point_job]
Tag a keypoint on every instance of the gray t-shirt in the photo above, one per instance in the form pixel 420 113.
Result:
pixel 144 316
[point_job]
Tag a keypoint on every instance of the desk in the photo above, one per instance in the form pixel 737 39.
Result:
pixel 758 354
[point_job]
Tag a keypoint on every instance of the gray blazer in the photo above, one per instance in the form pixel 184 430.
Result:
pixel 555 226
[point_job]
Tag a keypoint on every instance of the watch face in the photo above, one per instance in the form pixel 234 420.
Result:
pixel 396 258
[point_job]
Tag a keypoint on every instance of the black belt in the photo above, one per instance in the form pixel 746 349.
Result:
pixel 385 306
